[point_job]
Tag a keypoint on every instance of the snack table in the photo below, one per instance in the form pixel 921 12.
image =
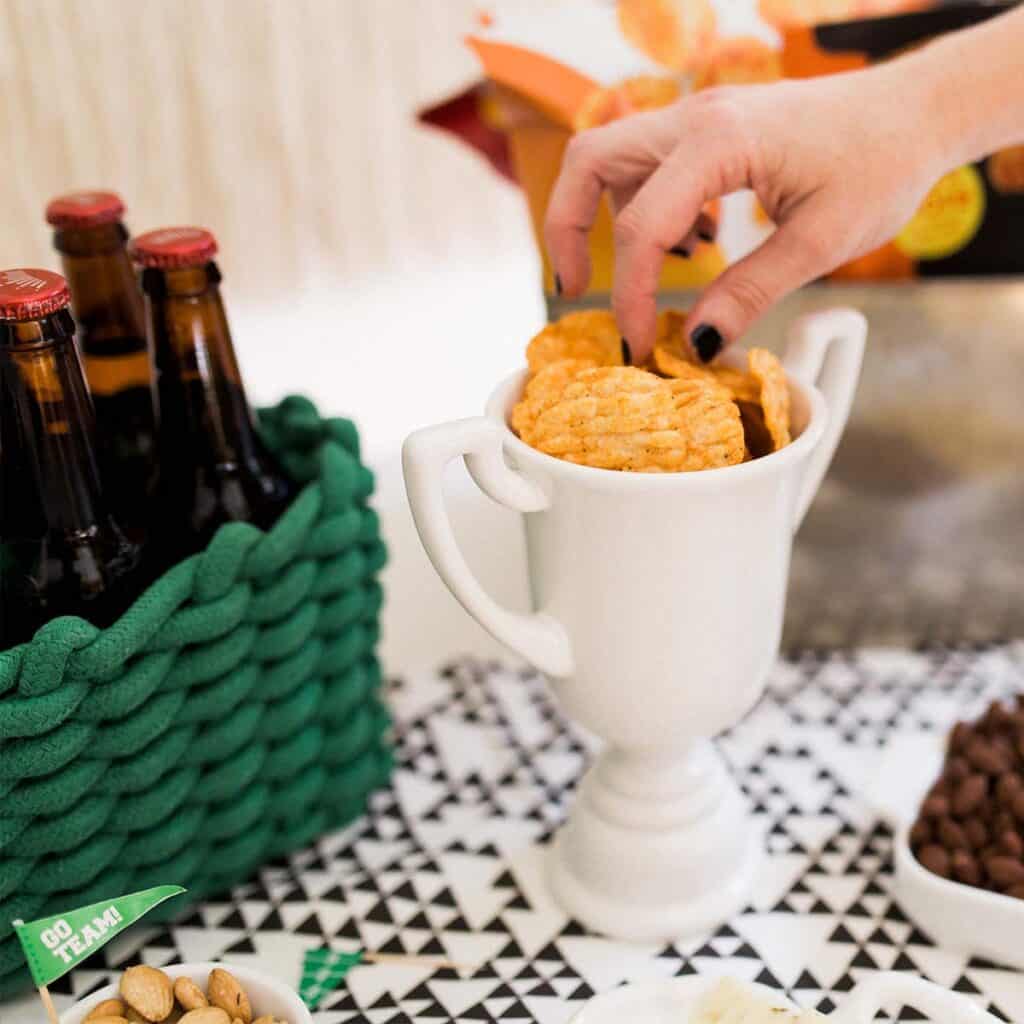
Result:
pixel 449 863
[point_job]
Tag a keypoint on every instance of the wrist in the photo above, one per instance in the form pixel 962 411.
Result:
pixel 968 91
pixel 945 121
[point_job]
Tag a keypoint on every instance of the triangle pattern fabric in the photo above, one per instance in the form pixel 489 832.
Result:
pixel 447 866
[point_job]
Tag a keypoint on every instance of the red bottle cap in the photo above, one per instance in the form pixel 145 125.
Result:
pixel 174 247
pixel 84 209
pixel 31 294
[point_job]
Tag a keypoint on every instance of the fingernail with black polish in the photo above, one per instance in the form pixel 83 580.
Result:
pixel 707 341
pixel 558 285
pixel 627 355
pixel 678 250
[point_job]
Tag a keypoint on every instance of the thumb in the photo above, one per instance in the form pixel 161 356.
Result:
pixel 797 252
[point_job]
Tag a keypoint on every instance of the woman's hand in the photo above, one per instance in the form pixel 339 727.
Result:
pixel 840 164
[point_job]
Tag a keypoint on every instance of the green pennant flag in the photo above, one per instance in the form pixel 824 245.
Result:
pixel 323 970
pixel 53 945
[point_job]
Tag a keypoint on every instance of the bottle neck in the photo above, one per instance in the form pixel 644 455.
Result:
pixel 48 425
pixel 107 304
pixel 104 290
pixel 202 399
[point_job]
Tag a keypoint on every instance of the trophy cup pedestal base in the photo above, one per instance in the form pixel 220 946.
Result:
pixel 656 848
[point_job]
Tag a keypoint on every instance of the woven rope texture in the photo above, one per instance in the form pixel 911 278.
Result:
pixel 229 716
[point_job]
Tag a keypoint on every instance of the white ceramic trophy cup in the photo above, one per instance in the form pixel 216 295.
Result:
pixel 659 602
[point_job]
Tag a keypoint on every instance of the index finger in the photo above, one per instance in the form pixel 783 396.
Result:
pixel 617 155
pixel 710 161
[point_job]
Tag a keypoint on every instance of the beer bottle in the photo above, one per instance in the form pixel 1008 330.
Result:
pixel 214 467
pixel 107 303
pixel 63 554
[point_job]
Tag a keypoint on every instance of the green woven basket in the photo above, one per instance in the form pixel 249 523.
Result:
pixel 231 714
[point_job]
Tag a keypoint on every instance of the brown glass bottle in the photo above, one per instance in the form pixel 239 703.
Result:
pixel 62 551
pixel 214 467
pixel 107 304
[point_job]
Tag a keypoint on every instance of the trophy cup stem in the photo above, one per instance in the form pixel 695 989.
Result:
pixel 659 845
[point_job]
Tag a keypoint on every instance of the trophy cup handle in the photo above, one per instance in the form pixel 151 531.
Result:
pixel 537 637
pixel 825 350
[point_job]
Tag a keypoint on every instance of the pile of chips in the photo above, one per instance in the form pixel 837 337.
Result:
pixel 584 404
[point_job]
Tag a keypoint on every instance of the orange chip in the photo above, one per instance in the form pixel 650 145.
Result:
pixel 793 13
pixel 586 334
pixel 771 376
pixel 672 32
pixel 740 385
pixel 672 358
pixel 742 60
pixel 582 405
pixel 1006 169
pixel 602 106
pixel 649 92
pixel 880 8
pixel 644 92
pixel 671 324
pixel 542 391
pixel 671 351
pixel 627 419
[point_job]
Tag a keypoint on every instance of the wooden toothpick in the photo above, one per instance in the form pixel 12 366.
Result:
pixel 51 1010
pixel 402 959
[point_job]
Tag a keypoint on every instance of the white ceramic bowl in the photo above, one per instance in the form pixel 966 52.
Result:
pixel 939 906
pixel 673 1001
pixel 943 907
pixel 267 994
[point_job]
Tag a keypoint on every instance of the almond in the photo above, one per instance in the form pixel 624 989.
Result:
pixel 108 1008
pixel 189 994
pixel 148 991
pixel 224 991
pixel 107 1019
pixel 206 1015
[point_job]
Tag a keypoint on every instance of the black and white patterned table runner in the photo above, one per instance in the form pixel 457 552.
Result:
pixel 449 862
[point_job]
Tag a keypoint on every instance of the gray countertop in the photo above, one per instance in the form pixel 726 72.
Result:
pixel 915 539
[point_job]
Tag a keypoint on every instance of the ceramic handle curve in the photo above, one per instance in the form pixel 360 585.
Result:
pixel 890 987
pixel 825 350
pixel 537 637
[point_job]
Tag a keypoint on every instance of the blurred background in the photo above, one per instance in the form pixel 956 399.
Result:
pixel 289 129
pixel 368 261
pixel 385 270
pixel 287 126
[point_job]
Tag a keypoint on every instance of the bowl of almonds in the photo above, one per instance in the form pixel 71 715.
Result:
pixel 207 993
